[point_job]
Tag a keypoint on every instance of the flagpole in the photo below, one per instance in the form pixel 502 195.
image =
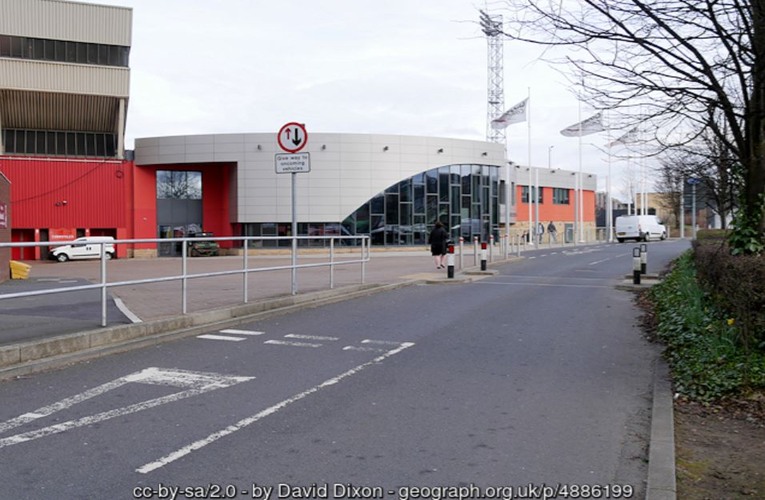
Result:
pixel 609 206
pixel 580 204
pixel 528 140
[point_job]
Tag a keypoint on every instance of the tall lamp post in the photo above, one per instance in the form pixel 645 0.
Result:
pixel 549 157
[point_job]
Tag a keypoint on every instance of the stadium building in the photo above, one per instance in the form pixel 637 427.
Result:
pixel 64 95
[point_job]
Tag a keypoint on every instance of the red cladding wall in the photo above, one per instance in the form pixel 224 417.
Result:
pixel 52 193
pixel 549 211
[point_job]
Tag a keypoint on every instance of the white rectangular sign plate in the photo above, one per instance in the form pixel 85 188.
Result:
pixel 293 163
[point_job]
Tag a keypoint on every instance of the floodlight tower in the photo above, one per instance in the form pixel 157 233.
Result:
pixel 492 28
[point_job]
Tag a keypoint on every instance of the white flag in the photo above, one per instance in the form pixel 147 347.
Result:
pixel 589 126
pixel 630 137
pixel 516 114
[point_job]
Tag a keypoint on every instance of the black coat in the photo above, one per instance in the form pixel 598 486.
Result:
pixel 437 239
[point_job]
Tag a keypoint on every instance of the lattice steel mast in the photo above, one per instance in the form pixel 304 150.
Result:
pixel 492 28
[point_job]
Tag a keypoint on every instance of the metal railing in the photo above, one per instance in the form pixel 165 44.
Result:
pixel 246 245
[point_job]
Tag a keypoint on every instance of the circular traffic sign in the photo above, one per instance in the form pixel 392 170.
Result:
pixel 292 137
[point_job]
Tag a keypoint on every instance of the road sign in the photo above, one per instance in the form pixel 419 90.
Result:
pixel 693 181
pixel 292 137
pixel 289 163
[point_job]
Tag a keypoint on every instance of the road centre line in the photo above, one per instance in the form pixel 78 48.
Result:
pixel 381 342
pixel 210 336
pixel 362 349
pixel 234 331
pixel 310 337
pixel 182 452
pixel 292 344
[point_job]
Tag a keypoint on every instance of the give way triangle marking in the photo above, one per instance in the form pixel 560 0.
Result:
pixel 193 383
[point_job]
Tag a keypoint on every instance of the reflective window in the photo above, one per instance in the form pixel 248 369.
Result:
pixel 525 195
pixel 179 185
pixel 57 143
pixel 560 196
pixel 40 49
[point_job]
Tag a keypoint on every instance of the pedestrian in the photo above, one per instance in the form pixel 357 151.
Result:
pixel 437 239
pixel 540 231
pixel 553 232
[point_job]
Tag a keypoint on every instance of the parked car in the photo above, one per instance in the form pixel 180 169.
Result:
pixel 203 248
pixel 639 228
pixel 88 247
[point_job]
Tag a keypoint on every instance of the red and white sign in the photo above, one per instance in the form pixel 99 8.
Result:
pixel 292 137
pixel 3 216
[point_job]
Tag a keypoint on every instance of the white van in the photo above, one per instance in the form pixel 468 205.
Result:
pixel 639 227
pixel 84 248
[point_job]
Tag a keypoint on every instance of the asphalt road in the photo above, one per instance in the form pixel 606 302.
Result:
pixel 533 378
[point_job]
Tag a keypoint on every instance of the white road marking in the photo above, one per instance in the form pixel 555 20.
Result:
pixel 126 311
pixel 195 383
pixel 381 342
pixel 310 337
pixel 241 332
pixel 362 349
pixel 182 452
pixel 210 336
pixel 292 344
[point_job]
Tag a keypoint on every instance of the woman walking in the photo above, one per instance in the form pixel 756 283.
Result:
pixel 437 239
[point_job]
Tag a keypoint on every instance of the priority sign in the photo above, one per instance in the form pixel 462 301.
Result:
pixel 292 137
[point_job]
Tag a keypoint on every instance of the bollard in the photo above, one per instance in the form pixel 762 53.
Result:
pixel 519 246
pixel 475 250
pixel 462 252
pixel 491 248
pixel 483 256
pixel 636 266
pixel 643 258
pixel 450 262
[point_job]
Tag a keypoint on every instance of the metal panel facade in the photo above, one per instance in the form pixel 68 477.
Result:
pixel 65 78
pixel 61 20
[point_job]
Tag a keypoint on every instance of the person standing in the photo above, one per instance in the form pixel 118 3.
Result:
pixel 540 232
pixel 553 232
pixel 437 239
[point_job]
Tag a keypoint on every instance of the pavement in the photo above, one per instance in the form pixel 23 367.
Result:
pixel 50 331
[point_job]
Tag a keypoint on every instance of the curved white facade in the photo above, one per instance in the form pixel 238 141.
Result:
pixel 346 169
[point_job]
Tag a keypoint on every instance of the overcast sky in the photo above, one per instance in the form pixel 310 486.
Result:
pixel 383 67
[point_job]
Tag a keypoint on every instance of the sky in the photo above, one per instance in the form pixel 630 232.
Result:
pixel 345 66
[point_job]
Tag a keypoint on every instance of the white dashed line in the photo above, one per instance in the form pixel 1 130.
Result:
pixel 234 331
pixel 310 337
pixel 362 349
pixel 220 337
pixel 182 452
pixel 291 344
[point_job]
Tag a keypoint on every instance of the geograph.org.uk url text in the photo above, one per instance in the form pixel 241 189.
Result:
pixel 349 491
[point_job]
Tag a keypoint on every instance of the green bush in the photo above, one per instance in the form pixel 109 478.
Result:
pixel 736 284
pixel 702 342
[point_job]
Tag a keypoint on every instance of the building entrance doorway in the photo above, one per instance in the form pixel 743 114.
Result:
pixel 179 208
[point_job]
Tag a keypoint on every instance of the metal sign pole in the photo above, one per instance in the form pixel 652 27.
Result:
pixel 294 234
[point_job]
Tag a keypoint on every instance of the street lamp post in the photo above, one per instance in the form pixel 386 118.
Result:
pixel 549 157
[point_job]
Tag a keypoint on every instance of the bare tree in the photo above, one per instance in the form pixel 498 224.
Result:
pixel 670 186
pixel 684 66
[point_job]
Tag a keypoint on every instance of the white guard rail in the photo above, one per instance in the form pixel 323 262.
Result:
pixel 184 277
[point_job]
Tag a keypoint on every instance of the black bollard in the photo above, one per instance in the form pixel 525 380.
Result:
pixel 636 266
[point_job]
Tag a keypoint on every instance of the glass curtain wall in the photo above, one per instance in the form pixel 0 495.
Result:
pixel 465 198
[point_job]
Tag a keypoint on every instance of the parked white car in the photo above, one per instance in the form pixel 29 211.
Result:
pixel 639 228
pixel 88 247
